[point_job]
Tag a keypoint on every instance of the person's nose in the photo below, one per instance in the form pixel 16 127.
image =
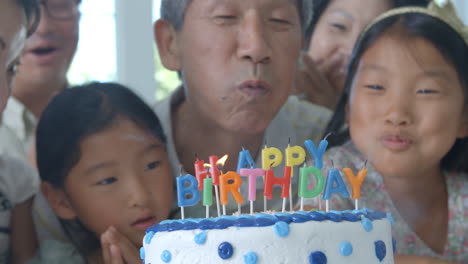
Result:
pixel 347 46
pixel 46 23
pixel 254 43
pixel 398 111
pixel 139 192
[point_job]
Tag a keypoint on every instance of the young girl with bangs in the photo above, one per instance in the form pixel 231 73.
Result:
pixel 406 107
pixel 105 173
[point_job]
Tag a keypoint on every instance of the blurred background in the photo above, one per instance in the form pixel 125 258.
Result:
pixel 116 44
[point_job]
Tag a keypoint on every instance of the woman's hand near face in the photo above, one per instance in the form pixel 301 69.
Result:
pixel 405 259
pixel 117 249
pixel 314 81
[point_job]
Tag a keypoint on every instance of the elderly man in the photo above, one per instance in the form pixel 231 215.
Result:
pixel 238 61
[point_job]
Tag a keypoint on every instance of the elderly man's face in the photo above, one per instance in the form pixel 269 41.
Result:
pixel 239 59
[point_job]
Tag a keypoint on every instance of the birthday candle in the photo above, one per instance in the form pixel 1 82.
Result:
pixel 214 171
pixel 304 192
pixel 271 157
pixel 355 182
pixel 200 172
pixel 252 175
pixel 187 193
pixel 208 192
pixel 245 160
pixel 214 163
pixel 317 153
pixel 271 180
pixel 207 195
pixel 294 156
pixel 334 184
pixel 230 183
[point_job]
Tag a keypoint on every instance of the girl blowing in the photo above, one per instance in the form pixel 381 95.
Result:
pixel 406 106
pixel 101 156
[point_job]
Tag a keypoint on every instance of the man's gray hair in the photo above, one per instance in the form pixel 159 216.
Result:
pixel 174 12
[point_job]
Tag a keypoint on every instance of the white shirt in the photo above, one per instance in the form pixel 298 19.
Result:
pixel 18 183
pixel 17 134
pixel 17 129
pixel 297 119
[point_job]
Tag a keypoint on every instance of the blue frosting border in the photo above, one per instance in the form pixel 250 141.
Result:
pixel 262 219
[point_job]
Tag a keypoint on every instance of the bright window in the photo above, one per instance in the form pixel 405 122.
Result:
pixel 96 54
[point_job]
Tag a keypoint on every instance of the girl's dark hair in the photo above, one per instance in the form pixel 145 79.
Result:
pixel 319 7
pixel 447 41
pixel 32 12
pixel 73 115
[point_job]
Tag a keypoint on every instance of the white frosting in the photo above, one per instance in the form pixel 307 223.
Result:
pixel 296 247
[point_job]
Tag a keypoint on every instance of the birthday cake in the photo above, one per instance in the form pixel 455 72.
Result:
pixel 316 237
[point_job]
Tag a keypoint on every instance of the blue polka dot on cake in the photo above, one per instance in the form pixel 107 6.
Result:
pixel 225 250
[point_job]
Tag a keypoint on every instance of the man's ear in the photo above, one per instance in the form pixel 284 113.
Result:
pixel 166 41
pixel 58 201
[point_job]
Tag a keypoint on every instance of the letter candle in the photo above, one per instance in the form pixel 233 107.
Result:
pixel 200 172
pixel 304 192
pixel 271 157
pixel 215 172
pixel 252 175
pixel 356 183
pixel 294 156
pixel 230 183
pixel 245 160
pixel 284 182
pixel 187 193
pixel 207 194
pixel 334 184
pixel 317 153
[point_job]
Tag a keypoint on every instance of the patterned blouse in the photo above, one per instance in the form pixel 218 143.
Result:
pixel 375 196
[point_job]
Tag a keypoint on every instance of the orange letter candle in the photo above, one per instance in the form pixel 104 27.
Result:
pixel 230 183
pixel 355 182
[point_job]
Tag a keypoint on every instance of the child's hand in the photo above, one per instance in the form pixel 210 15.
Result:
pixel 404 259
pixel 117 249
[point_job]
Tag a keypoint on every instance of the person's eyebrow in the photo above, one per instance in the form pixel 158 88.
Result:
pixel 374 67
pixel 343 13
pixel 437 74
pixel 99 166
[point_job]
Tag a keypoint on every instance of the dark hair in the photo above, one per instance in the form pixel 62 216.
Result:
pixel 73 115
pixel 319 7
pixel 32 12
pixel 447 41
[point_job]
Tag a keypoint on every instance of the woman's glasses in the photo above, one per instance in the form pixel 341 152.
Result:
pixel 60 9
